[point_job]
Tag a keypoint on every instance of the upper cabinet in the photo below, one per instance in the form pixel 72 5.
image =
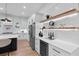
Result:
pixel 31 19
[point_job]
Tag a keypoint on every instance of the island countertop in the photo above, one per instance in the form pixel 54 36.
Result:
pixel 6 36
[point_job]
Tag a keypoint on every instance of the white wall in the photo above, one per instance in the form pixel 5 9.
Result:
pixel 22 22
pixel 69 21
pixel 70 36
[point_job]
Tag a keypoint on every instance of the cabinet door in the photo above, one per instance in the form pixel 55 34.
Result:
pixel 37 45
pixel 53 51
pixel 56 51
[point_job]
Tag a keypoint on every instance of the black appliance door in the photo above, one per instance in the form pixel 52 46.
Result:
pixel 43 48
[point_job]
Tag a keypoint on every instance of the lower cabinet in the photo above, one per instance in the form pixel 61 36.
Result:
pixel 55 51
pixel 37 45
pixel 46 49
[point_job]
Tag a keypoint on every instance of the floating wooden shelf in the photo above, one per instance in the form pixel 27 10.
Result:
pixel 63 28
pixel 69 12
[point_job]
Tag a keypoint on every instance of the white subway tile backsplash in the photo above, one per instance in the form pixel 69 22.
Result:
pixel 71 36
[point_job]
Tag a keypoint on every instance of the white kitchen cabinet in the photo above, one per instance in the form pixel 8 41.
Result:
pixel 58 47
pixel 38 28
pixel 56 51
pixel 37 45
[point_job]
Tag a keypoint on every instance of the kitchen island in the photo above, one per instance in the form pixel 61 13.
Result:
pixel 5 36
pixel 8 42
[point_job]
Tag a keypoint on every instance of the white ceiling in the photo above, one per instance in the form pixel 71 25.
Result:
pixel 21 9
pixel 27 9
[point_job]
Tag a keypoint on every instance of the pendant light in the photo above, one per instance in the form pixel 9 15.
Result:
pixel 6 13
pixel 5 10
pixel 6 19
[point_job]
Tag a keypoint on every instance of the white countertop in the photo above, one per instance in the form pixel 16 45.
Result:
pixel 67 46
pixel 6 36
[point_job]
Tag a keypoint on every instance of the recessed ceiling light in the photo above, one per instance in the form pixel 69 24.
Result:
pixel 24 7
pixel 1 8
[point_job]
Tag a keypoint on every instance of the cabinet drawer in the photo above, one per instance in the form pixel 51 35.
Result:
pixel 58 51
pixel 53 53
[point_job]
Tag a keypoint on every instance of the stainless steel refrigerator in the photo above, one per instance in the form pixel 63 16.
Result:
pixel 32 35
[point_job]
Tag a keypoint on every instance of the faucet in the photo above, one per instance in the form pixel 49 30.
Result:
pixel 51 35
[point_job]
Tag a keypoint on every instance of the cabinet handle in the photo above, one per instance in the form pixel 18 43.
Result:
pixel 56 50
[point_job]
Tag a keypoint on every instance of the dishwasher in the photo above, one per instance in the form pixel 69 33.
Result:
pixel 43 48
